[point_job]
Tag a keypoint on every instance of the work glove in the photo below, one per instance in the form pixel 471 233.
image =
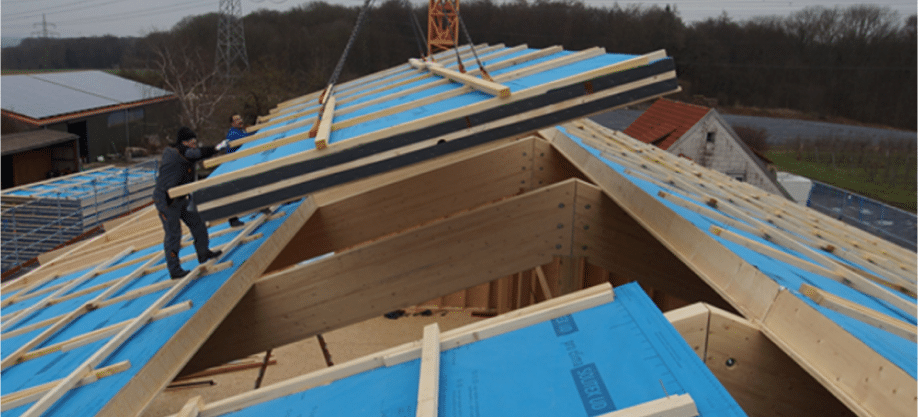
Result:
pixel 222 145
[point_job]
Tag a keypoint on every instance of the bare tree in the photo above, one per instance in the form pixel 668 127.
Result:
pixel 194 79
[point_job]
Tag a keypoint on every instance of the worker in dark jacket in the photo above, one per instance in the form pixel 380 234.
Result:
pixel 177 168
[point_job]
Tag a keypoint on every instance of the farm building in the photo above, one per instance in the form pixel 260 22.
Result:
pixel 699 133
pixel 37 155
pixel 420 185
pixel 106 112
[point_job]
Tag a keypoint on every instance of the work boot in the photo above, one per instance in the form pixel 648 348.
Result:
pixel 209 255
pixel 178 274
pixel 235 222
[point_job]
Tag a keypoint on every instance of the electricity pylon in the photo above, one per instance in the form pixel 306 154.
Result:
pixel 231 58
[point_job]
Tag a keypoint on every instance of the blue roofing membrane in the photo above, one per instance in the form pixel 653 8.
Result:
pixel 896 349
pixel 588 363
pixel 428 110
pixel 89 399
pixel 85 184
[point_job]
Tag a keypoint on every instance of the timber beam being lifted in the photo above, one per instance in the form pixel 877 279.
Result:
pixel 525 111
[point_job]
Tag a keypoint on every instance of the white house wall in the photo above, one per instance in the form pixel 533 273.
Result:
pixel 727 155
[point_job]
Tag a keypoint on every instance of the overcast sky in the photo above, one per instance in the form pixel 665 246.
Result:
pixel 76 18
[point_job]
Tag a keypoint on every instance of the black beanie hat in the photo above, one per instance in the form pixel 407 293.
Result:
pixel 184 134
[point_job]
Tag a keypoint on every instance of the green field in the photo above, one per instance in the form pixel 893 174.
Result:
pixel 890 177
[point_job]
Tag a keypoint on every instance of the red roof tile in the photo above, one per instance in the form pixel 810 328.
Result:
pixel 665 122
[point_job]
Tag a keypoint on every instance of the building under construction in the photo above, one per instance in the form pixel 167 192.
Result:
pixel 423 183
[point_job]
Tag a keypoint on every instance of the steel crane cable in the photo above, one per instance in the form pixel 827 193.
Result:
pixel 350 42
pixel 484 72
pixel 416 27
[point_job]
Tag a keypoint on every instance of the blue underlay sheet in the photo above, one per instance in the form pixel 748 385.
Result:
pixel 588 363
pixel 90 399
pixel 438 107
pixel 84 184
pixel 896 349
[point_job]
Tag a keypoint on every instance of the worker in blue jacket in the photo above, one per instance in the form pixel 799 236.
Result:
pixel 176 168
pixel 236 131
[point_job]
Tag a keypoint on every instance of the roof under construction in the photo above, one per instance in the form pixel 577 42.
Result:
pixel 415 183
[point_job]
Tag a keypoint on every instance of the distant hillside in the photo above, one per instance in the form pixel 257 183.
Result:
pixel 10 42
pixel 855 63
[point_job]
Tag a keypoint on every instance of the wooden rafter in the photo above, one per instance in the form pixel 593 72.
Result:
pixel 819 345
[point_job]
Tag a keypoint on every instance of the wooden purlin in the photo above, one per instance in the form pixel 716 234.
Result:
pixel 421 262
pixel 400 201
pixel 813 341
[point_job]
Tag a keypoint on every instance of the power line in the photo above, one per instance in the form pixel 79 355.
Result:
pixel 44 32
pixel 231 50
pixel 61 8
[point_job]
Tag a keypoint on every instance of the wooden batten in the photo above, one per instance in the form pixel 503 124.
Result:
pixel 168 361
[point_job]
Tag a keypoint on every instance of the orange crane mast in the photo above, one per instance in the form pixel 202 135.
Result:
pixel 442 25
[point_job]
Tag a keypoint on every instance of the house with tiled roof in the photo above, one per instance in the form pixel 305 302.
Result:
pixel 699 133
